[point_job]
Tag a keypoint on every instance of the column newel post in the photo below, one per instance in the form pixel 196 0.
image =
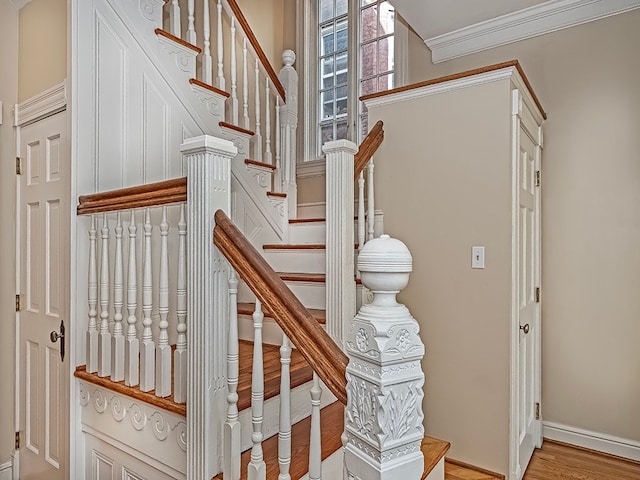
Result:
pixel 208 163
pixel 340 281
pixel 288 131
pixel 384 418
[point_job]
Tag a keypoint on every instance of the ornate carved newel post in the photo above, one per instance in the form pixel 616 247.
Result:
pixel 340 281
pixel 288 131
pixel 208 162
pixel 384 416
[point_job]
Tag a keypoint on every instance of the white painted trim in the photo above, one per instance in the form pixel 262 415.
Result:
pixel 6 471
pixel 601 442
pixel 465 82
pixel 530 22
pixel 43 105
pixel 311 168
pixel 19 4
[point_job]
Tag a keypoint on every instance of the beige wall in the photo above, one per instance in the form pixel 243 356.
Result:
pixel 8 96
pixel 441 194
pixel 587 80
pixel 43 46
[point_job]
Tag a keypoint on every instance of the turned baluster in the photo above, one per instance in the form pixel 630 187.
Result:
pixel 191 31
pixel 92 330
pixel 361 218
pixel 220 79
pixel 315 441
pixel 174 18
pixel 232 447
pixel 117 340
pixel 284 433
pixel 234 86
pixel 132 344
pixel 207 62
pixel 257 467
pixel 257 138
pixel 147 353
pixel 245 86
pixel 163 350
pixel 371 215
pixel 180 355
pixel 267 124
pixel 104 337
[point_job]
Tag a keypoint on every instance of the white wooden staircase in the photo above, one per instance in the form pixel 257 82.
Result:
pixel 251 176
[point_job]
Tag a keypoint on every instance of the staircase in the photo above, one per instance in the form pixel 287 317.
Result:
pixel 256 186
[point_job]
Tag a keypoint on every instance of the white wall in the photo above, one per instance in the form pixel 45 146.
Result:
pixel 587 80
pixel 8 97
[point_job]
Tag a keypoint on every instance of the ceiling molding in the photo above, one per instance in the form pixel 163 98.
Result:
pixel 530 22
pixel 19 4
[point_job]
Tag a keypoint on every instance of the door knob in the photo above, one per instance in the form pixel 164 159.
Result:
pixel 525 328
pixel 55 336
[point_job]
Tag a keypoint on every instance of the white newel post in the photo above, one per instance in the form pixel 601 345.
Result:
pixel 340 282
pixel 288 132
pixel 384 418
pixel 208 161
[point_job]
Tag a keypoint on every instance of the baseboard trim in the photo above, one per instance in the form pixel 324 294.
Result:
pixel 474 468
pixel 599 442
pixel 6 471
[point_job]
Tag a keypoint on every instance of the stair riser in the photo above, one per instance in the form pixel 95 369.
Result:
pixel 296 260
pixel 314 232
pixel 311 294
pixel 300 409
pixel 271 332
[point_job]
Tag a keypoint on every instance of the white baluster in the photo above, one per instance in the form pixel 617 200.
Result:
pixel 278 172
pixel 117 340
pixel 234 86
pixel 284 433
pixel 361 219
pixel 104 337
pixel 315 441
pixel 92 296
pixel 207 62
pixel 267 124
pixel 257 469
pixel 220 80
pixel 191 31
pixel 232 432
pixel 147 354
pixel 180 355
pixel 371 215
pixel 257 138
pixel 174 19
pixel 245 86
pixel 132 344
pixel 163 350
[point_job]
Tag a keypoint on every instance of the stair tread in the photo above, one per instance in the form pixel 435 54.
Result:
pixel 277 194
pixel 300 371
pixel 195 81
pixel 184 43
pixel 236 128
pixel 248 161
pixel 307 220
pixel 294 246
pixel 433 451
pixel 248 309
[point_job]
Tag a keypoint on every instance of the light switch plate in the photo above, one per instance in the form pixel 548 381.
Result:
pixel 477 257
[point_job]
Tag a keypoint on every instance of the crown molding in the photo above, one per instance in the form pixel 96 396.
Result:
pixel 530 22
pixel 19 4
pixel 45 104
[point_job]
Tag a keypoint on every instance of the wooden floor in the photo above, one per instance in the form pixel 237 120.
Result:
pixel 556 461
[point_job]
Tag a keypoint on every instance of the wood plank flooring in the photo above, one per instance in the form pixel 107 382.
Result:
pixel 557 461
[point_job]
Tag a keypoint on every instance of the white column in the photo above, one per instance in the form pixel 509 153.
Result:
pixel 208 161
pixel 383 417
pixel 340 282
pixel 288 130
pixel 104 337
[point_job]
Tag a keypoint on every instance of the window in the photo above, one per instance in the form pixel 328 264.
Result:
pixel 348 50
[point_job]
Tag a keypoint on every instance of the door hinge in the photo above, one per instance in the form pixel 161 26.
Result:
pixel 537 294
pixel 18 166
pixel 537 178
pixel 537 410
pixel 18 303
pixel 17 445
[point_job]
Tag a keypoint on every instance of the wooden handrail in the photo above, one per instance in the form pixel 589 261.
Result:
pixel 315 345
pixel 368 147
pixel 235 8
pixel 148 195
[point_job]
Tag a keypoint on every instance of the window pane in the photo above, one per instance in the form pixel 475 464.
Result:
pixel 326 10
pixel 368 23
pixel 385 55
pixel 341 62
pixel 341 7
pixel 367 2
pixel 385 82
pixel 369 86
pixel 368 60
pixel 327 66
pixel 341 36
pixel 327 82
pixel 341 100
pixel 326 44
pixel 326 133
pixel 341 130
pixel 326 99
pixel 387 17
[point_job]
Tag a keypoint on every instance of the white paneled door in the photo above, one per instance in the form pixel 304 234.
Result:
pixel 528 282
pixel 43 197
